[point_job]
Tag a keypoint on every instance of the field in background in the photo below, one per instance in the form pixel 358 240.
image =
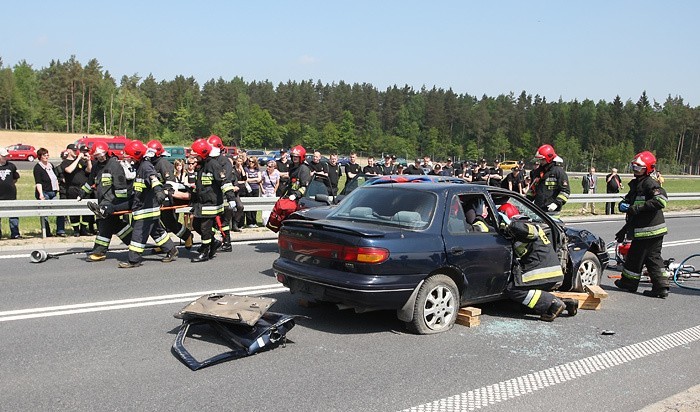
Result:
pixel 54 142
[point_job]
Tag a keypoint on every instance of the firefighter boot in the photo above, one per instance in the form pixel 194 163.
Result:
pixel 627 288
pixel 215 245
pixel 571 306
pixel 556 308
pixel 235 228
pixel 96 257
pixel 226 244
pixel 203 254
pixel 170 256
pixel 656 293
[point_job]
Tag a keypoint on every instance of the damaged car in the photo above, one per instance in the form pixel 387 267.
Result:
pixel 412 248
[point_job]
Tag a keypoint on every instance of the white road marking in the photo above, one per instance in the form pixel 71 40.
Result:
pixel 49 311
pixel 527 384
pixel 49 251
pixel 681 242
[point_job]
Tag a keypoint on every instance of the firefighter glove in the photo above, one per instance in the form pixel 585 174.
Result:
pixel 552 207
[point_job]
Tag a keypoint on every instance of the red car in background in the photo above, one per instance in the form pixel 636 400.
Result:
pixel 21 152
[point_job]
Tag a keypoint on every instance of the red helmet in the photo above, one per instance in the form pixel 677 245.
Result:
pixel 215 141
pixel 135 149
pixel 99 148
pixel 644 161
pixel 545 152
pixel 201 148
pixel 157 146
pixel 298 150
pixel 509 210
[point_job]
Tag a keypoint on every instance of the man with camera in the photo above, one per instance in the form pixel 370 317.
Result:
pixel 76 168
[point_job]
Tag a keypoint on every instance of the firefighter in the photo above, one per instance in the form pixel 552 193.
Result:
pixel 148 196
pixel 232 213
pixel 536 269
pixel 211 186
pixel 299 174
pixel 165 171
pixel 646 227
pixel 550 184
pixel 112 188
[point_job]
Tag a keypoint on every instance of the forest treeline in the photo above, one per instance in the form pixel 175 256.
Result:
pixel 340 117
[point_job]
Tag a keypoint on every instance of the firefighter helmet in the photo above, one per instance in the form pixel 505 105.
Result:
pixel 135 149
pixel 99 148
pixel 509 210
pixel 215 141
pixel 156 146
pixel 298 150
pixel 644 161
pixel 201 148
pixel 545 152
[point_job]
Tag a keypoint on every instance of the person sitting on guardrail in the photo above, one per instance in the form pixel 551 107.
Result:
pixel 8 188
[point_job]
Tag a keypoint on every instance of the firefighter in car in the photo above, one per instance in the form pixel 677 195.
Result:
pixel 536 269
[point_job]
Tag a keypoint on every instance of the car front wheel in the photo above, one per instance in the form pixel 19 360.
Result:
pixel 590 269
pixel 436 306
pixel 30 158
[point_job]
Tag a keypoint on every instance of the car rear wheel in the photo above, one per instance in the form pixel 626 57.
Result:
pixel 30 158
pixel 590 269
pixel 436 306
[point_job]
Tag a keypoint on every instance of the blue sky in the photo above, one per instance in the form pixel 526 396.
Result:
pixel 568 49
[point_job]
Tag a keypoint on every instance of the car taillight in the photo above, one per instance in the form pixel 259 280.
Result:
pixel 350 254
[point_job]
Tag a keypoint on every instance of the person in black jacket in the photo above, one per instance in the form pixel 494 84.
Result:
pixel 76 168
pixel 646 226
pixel 8 188
pixel 109 181
pixel 613 185
pixel 46 177
pixel 549 188
pixel 536 269
pixel 148 196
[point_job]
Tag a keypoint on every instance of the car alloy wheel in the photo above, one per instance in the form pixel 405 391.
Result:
pixel 590 270
pixel 30 158
pixel 436 306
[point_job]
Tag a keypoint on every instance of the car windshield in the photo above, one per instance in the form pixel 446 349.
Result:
pixel 389 206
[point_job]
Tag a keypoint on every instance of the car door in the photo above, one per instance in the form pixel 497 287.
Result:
pixel 483 257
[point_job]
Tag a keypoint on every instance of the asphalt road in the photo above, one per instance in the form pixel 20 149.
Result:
pixel 89 336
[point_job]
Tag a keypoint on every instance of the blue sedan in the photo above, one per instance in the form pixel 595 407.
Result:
pixel 411 248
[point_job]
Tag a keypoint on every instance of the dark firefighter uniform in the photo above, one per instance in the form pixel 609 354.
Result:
pixel 550 185
pixel 646 227
pixel 228 217
pixel 537 270
pixel 148 196
pixel 112 193
pixel 299 179
pixel 207 202
pixel 165 172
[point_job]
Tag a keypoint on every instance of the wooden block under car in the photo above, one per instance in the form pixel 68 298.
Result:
pixel 469 316
pixel 585 300
pixel 596 291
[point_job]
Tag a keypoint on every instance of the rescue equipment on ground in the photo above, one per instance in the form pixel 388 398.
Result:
pixel 242 323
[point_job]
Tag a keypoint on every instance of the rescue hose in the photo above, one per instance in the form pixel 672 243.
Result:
pixel 679 268
pixel 126 212
pixel 40 256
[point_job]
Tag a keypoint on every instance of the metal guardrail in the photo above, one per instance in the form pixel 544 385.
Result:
pixel 41 208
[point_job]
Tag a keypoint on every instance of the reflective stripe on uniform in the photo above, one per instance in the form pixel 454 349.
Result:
pixel 212 210
pixel 146 213
pixel 101 240
pixel 532 297
pixel 162 239
pixel 543 273
pixel 125 231
pixel 630 275
pixel 563 197
pixel 642 232
pixel 137 247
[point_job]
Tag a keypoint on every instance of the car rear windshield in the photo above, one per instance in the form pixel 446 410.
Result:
pixel 390 206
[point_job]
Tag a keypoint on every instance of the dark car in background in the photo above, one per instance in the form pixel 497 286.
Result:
pixel 408 247
pixel 21 151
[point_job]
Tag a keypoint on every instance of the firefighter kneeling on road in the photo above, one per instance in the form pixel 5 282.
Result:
pixel 536 269
pixel 148 196
pixel 646 227
pixel 211 185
